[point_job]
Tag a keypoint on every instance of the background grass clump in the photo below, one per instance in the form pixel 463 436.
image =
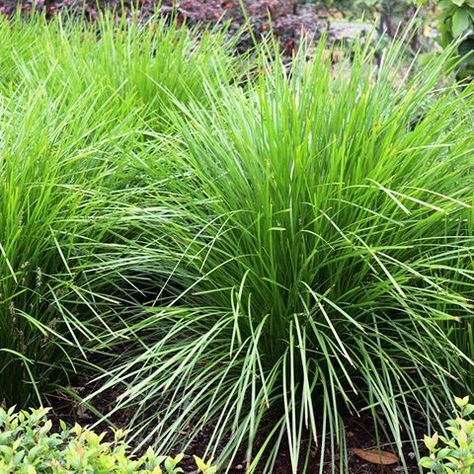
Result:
pixel 149 61
pixel 78 106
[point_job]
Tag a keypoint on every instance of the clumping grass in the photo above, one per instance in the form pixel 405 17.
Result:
pixel 78 103
pixel 321 229
pixel 153 62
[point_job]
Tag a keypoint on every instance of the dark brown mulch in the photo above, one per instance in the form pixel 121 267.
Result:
pixel 359 434
pixel 288 18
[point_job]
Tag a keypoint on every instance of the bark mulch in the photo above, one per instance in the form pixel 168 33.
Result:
pixel 359 430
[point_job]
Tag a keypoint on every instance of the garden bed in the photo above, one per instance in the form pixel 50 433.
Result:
pixel 243 252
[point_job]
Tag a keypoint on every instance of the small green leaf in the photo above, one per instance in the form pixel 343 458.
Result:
pixel 460 402
pixel 462 438
pixel 468 409
pixel 445 4
pixel 461 22
pixel 428 463
pixel 431 442
pixel 442 453
pixel 201 465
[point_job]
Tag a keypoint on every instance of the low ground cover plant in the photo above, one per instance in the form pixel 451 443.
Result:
pixel 453 453
pixel 29 445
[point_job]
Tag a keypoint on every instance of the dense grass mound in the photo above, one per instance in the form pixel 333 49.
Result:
pixel 78 106
pixel 322 244
pixel 153 62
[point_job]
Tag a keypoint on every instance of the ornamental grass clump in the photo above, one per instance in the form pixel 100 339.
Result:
pixel 79 104
pixel 323 251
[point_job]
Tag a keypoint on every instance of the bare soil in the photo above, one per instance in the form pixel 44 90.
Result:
pixel 359 435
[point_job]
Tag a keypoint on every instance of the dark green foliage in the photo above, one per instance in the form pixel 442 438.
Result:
pixel 456 23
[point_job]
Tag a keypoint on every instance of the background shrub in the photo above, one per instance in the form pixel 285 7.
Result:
pixel 456 23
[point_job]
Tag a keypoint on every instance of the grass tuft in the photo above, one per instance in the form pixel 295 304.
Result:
pixel 79 104
pixel 323 254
